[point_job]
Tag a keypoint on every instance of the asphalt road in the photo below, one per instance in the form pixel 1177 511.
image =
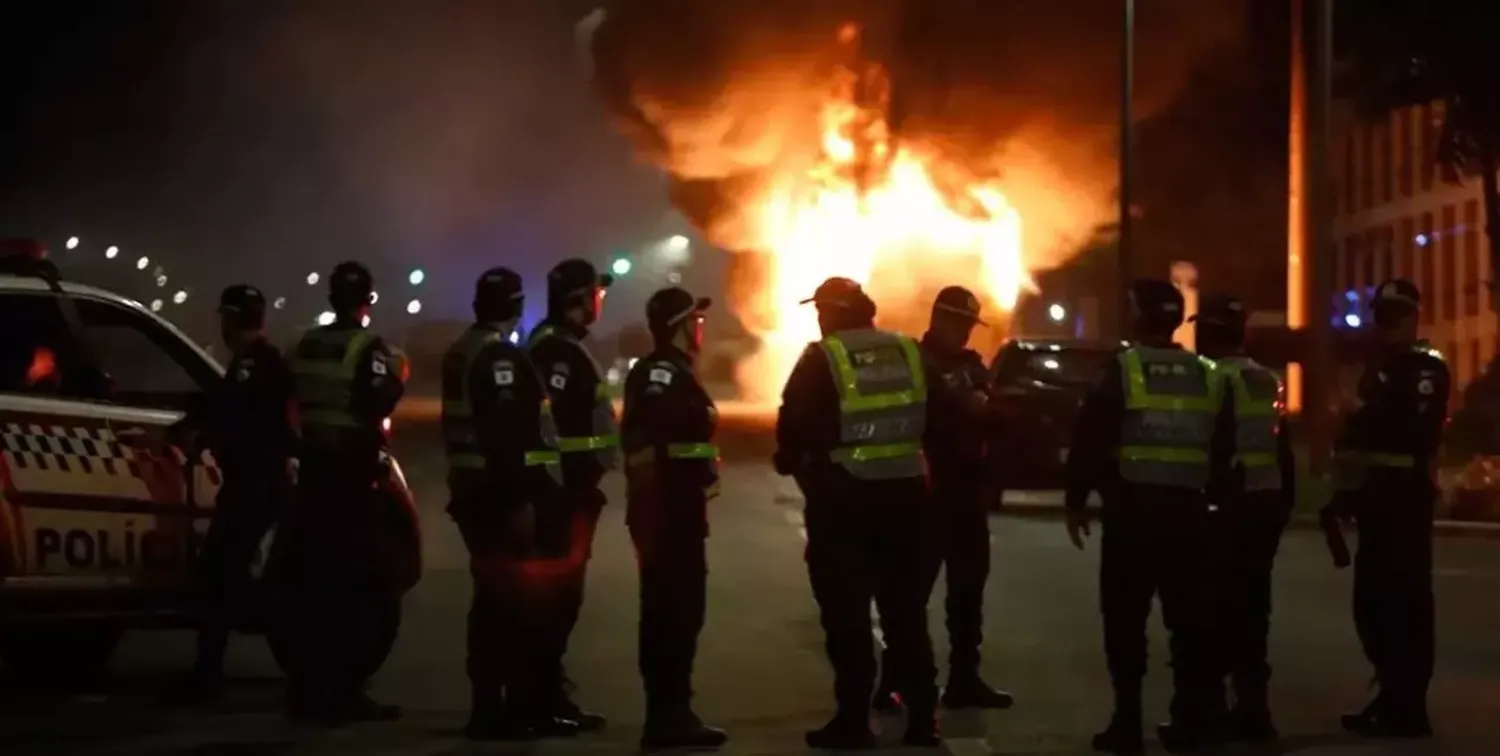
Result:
pixel 761 672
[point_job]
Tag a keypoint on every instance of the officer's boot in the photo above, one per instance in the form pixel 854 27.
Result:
pixel 922 726
pixel 493 720
pixel 1364 721
pixel 675 726
pixel 967 690
pixel 1123 735
pixel 886 701
pixel 849 730
pixel 1250 719
pixel 1392 715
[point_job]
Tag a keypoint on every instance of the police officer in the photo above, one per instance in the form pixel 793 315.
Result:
pixel 1384 479
pixel 1155 434
pixel 246 423
pixel 672 472
pixel 850 432
pixel 589 438
pixel 343 604
pixel 503 463
pixel 955 444
pixel 1254 514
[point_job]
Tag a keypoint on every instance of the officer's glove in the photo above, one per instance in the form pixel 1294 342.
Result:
pixel 1078 526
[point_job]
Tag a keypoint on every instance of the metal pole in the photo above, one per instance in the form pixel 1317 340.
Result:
pixel 1319 239
pixel 1296 211
pixel 1127 144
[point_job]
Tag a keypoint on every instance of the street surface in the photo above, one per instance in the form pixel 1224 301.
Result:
pixel 761 671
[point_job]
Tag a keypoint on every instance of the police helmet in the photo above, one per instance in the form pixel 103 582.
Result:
pixel 1158 302
pixel 351 285
pixel 571 280
pixel 956 300
pixel 667 309
pixel 498 292
pixel 243 305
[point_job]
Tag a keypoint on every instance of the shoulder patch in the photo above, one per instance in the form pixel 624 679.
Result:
pixel 377 364
pixel 660 375
pixel 558 381
pixel 1425 387
pixel 504 372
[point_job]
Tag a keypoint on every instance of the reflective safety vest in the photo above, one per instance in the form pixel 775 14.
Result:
pixel 1172 399
pixel 325 362
pixel 459 435
pixel 882 403
pixel 1351 466
pixel 604 443
pixel 1257 410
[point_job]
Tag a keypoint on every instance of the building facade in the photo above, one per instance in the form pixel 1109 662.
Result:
pixel 1398 217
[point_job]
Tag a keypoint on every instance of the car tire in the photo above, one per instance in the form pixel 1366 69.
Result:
pixel 54 654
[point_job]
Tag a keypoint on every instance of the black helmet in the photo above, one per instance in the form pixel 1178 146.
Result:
pixel 1158 302
pixel 351 285
pixel 1221 311
pixel 499 292
pixel 244 305
pixel 668 307
pixel 958 301
pixel 571 279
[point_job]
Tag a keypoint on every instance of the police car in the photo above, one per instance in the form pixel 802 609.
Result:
pixel 98 528
pixel 1041 382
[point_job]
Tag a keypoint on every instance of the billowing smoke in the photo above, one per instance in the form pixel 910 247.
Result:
pixel 720 92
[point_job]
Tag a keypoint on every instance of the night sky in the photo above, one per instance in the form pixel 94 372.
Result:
pixel 261 140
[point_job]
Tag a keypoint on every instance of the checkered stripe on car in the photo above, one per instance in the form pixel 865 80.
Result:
pixel 79 449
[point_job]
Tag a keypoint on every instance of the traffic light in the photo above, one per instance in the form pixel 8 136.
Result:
pixel 620 266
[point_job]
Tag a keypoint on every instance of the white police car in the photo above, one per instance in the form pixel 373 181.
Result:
pixel 97 531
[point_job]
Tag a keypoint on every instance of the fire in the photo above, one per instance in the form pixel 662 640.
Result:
pixel 877 211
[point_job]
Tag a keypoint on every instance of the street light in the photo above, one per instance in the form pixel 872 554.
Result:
pixel 279 303
pixel 1127 139
pixel 179 297
pixel 1057 312
pixel 142 263
pixel 312 279
pixel 413 307
pixel 417 277
pixel 109 254
pixel 72 242
pixel 156 305
pixel 325 318
pixel 620 266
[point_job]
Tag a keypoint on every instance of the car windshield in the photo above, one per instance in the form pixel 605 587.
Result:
pixel 1063 366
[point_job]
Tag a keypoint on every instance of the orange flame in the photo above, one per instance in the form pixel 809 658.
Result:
pixel 874 211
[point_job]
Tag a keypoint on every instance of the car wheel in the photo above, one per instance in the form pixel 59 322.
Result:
pixel 59 654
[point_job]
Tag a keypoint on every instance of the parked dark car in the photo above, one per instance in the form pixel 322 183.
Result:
pixel 1041 384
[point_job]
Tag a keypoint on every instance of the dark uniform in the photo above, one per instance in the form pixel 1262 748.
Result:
pixel 246 424
pixel 338 577
pixel 503 464
pixel 955 445
pixel 1384 475
pixel 1151 439
pixel 672 471
pixel 1253 514
pixel 850 432
pixel 589 438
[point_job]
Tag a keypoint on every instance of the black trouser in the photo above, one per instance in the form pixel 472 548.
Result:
pixel 502 624
pixel 965 543
pixel 671 550
pixel 1252 531
pixel 244 511
pixel 1393 602
pixel 873 540
pixel 341 606
pixel 567 534
pixel 1156 543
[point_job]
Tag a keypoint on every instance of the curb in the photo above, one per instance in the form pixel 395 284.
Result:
pixel 1054 511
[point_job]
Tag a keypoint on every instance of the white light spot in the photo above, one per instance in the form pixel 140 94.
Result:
pixel 72 242
pixel 156 305
pixel 312 279
pixel 111 253
pixel 674 277
pixel 326 318
pixel 142 263
pixel 1050 364
pixel 279 303
pixel 515 337
pixel 1422 240
pixel 413 307
pixel 180 296
pixel 620 267
pixel 365 321
pixel 417 277
pixel 1057 312
pixel 161 280
pixel 1352 320
pixel 630 364
pixel 374 297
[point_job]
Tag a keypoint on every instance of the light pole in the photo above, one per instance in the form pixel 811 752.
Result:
pixel 1318 236
pixel 1127 144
